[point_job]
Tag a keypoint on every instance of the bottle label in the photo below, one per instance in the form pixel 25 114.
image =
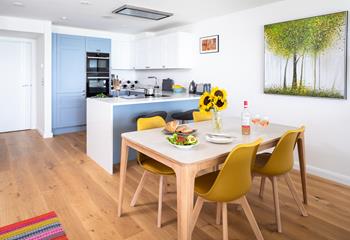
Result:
pixel 245 121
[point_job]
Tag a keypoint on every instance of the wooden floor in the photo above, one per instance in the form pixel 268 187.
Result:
pixel 37 176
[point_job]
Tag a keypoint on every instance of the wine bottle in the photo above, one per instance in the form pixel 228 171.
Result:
pixel 245 118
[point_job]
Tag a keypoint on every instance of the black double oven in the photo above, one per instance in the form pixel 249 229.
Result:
pixel 97 73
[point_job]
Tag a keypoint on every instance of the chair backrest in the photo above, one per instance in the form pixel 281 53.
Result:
pixel 234 179
pixel 201 116
pixel 282 160
pixel 150 122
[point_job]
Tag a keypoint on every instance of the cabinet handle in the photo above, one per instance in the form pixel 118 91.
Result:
pixel 147 67
pixel 163 66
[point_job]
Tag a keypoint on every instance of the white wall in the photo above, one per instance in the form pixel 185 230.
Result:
pixel 239 67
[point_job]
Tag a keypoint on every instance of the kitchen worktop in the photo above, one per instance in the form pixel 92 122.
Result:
pixel 115 101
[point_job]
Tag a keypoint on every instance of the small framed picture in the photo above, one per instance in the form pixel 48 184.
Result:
pixel 209 44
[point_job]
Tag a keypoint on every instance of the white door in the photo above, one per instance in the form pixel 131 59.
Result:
pixel 15 84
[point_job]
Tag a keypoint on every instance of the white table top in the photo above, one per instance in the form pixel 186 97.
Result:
pixel 154 139
pixel 116 101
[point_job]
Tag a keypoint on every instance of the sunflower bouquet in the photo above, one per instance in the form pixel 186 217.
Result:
pixel 214 101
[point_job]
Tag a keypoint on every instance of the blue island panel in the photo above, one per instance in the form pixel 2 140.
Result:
pixel 125 116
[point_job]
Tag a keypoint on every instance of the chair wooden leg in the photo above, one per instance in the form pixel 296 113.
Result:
pixel 160 201
pixel 218 212
pixel 248 212
pixel 276 201
pixel 262 187
pixel 224 221
pixel 196 211
pixel 139 189
pixel 295 195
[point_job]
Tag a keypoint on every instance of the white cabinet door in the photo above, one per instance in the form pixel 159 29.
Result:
pixel 169 50
pixel 155 53
pixel 175 50
pixel 141 57
pixel 121 54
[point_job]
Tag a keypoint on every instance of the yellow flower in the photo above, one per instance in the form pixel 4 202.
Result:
pixel 205 102
pixel 218 93
pixel 220 104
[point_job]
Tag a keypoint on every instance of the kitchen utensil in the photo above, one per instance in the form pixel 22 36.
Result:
pixel 219 139
pixel 199 88
pixel 167 84
pixel 149 91
pixel 222 135
pixel 192 87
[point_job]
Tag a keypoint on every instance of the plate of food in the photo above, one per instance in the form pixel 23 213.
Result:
pixel 174 127
pixel 182 142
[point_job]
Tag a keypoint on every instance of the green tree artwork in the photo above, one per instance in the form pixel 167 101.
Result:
pixel 307 57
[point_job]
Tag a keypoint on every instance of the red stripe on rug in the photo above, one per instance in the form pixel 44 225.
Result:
pixel 27 222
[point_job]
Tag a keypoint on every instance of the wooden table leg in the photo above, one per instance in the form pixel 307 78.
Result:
pixel 123 164
pixel 185 191
pixel 302 164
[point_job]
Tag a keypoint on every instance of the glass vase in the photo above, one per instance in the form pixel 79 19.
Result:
pixel 216 121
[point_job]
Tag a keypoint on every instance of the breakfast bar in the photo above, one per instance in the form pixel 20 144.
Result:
pixel 108 118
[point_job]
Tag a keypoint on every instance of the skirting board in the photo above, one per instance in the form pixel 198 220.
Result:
pixel 336 177
pixel 44 135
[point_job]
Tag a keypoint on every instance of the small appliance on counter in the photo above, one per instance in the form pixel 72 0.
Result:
pixel 202 88
pixel 192 87
pixel 167 84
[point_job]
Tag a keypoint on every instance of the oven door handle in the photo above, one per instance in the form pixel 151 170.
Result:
pixel 98 78
pixel 106 58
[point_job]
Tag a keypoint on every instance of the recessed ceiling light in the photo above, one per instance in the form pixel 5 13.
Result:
pixel 64 18
pixel 18 4
pixel 141 12
pixel 85 2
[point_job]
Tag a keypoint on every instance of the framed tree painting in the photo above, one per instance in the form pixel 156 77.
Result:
pixel 209 44
pixel 307 57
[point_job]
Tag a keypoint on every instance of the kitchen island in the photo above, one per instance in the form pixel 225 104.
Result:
pixel 108 118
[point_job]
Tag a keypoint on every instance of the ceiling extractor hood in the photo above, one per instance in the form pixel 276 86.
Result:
pixel 141 12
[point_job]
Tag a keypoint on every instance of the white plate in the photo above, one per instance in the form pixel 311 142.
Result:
pixel 183 147
pixel 218 139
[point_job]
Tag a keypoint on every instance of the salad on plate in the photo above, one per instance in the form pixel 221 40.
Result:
pixel 182 141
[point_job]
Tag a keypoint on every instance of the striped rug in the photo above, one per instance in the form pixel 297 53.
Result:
pixel 44 227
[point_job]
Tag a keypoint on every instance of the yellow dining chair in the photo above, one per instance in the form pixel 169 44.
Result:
pixel 278 164
pixel 152 166
pixel 229 185
pixel 201 116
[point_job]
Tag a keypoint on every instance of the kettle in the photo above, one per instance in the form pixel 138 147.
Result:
pixel 192 87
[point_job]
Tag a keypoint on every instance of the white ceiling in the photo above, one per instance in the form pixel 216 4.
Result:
pixel 97 15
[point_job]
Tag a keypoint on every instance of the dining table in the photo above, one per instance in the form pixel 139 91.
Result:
pixel 187 163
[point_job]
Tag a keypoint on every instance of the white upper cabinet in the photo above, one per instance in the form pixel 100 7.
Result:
pixel 170 51
pixel 122 54
pixel 178 50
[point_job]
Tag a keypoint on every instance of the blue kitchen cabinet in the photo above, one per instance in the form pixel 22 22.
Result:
pixel 102 45
pixel 69 83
